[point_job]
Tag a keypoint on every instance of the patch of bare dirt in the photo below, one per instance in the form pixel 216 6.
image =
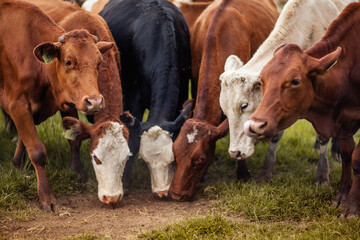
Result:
pixel 84 213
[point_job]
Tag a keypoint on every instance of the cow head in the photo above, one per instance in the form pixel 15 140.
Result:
pixel 78 56
pixel 287 81
pixel 194 150
pixel 239 97
pixel 109 152
pixel 156 145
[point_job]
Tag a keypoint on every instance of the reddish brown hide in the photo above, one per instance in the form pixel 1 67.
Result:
pixel 33 91
pixel 308 85
pixel 225 27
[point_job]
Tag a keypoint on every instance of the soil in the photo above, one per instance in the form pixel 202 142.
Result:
pixel 84 213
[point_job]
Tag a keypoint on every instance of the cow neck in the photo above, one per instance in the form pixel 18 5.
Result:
pixel 109 84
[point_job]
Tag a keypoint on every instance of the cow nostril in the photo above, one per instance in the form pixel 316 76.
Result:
pixel 263 125
pixel 238 155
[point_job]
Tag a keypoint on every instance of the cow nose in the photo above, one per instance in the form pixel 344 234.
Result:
pixel 235 154
pixel 111 199
pixel 93 105
pixel 162 194
pixel 253 128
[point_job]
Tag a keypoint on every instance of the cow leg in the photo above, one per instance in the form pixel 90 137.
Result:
pixel 346 148
pixel 352 203
pixel 323 170
pixel 268 167
pixel 19 156
pixel 75 162
pixel 24 123
pixel 242 173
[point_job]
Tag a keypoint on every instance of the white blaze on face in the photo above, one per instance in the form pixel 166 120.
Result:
pixel 239 97
pixel 88 4
pixel 191 136
pixel 156 150
pixel 112 151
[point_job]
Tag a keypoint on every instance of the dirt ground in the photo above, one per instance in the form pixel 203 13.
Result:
pixel 84 213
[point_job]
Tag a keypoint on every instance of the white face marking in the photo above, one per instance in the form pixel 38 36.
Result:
pixel 191 136
pixel 88 4
pixel 113 152
pixel 156 150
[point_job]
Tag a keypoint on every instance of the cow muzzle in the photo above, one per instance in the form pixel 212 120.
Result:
pixel 111 199
pixel 91 105
pixel 255 129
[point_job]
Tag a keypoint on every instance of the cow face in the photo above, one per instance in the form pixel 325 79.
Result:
pixel 287 81
pixel 78 56
pixel 239 97
pixel 194 151
pixel 109 152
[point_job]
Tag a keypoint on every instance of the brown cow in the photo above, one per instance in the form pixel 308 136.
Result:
pixel 109 158
pixel 308 85
pixel 225 27
pixel 32 91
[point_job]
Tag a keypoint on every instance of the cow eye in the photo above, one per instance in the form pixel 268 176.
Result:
pixel 68 63
pixel 295 82
pixel 96 160
pixel 244 106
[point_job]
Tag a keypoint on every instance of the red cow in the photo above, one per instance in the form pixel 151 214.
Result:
pixel 322 85
pixel 225 27
pixel 32 91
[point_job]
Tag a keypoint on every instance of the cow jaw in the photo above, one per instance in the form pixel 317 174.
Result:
pixel 109 159
pixel 156 150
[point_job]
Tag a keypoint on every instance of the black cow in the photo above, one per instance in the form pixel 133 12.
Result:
pixel 154 41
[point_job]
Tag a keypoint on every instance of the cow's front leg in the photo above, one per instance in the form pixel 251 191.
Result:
pixel 351 205
pixel 323 170
pixel 346 149
pixel 23 119
pixel 19 156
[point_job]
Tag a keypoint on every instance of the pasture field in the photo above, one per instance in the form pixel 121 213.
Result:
pixel 288 207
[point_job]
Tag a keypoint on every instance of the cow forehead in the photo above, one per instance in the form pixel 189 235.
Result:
pixel 109 138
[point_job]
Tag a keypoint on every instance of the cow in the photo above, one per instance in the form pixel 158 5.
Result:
pixel 322 86
pixel 224 28
pixel 154 41
pixel 52 70
pixel 109 148
pixel 240 84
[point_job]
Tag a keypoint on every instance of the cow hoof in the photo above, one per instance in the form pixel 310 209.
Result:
pixel 49 207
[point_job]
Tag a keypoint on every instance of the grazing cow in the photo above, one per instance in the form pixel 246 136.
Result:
pixel 33 90
pixel 322 85
pixel 300 22
pixel 225 27
pixel 109 137
pixel 154 41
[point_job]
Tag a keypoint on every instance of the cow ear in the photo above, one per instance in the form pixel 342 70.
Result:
pixel 129 120
pixel 104 46
pixel 325 63
pixel 233 63
pixel 78 129
pixel 46 52
pixel 221 130
pixel 174 127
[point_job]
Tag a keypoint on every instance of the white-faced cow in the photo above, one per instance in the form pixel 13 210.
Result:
pixel 154 41
pixel 225 27
pixel 62 75
pixel 321 85
pixel 300 22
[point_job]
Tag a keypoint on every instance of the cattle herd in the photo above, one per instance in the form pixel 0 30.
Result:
pixel 253 73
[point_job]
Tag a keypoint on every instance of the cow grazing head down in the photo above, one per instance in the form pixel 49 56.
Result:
pixel 156 149
pixel 239 97
pixel 193 153
pixel 287 81
pixel 109 152
pixel 78 55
